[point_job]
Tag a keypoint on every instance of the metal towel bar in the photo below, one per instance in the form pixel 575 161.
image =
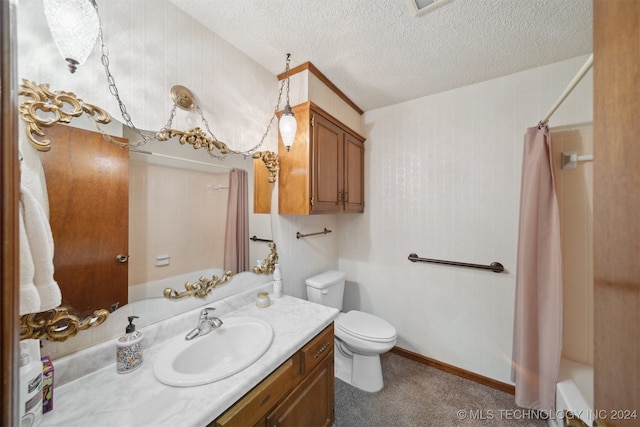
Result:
pixel 299 235
pixel 256 239
pixel 496 267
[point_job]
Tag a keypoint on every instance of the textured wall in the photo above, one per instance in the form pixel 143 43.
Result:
pixel 443 181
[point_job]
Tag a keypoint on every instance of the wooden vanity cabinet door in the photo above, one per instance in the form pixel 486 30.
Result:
pixel 337 169
pixel 353 174
pixel 311 403
pixel 316 349
pixel 327 179
pixel 252 409
pixel 299 393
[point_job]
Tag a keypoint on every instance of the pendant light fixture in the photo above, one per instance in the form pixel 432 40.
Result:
pixel 74 25
pixel 288 125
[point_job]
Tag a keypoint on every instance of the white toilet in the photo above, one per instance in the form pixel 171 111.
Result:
pixel 360 338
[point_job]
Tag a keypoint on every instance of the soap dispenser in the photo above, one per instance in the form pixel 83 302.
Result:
pixel 129 349
pixel 277 282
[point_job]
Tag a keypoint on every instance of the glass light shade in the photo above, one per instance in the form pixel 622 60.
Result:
pixel 288 127
pixel 74 25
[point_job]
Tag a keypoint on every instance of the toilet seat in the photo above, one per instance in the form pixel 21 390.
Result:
pixel 365 326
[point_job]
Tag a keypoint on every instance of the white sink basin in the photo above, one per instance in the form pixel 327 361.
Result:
pixel 224 351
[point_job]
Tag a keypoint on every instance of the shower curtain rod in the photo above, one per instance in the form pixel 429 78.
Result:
pixel 587 65
pixel 153 153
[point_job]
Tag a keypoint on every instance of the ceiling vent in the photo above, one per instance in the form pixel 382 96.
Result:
pixel 421 7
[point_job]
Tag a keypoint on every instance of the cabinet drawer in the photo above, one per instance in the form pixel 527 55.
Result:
pixel 316 350
pixel 256 404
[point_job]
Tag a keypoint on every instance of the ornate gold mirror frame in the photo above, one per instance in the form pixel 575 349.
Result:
pixel 199 289
pixel 42 100
pixel 269 264
pixel 52 104
pixel 204 286
pixel 43 108
pixel 271 161
pixel 58 324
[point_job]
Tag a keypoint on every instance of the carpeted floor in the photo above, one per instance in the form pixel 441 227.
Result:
pixel 417 395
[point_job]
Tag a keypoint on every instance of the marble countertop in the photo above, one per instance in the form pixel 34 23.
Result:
pixel 103 397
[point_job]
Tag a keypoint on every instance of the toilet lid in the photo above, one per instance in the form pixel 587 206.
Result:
pixel 366 326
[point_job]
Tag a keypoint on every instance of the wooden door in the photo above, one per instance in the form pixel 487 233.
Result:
pixel 327 166
pixel 616 211
pixel 88 186
pixel 353 174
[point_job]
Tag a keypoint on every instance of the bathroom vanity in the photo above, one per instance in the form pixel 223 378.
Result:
pixel 299 392
pixel 292 380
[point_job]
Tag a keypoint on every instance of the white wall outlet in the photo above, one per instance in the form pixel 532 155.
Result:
pixel 162 260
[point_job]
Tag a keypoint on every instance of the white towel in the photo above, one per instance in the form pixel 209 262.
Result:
pixel 32 173
pixel 29 296
pixel 38 232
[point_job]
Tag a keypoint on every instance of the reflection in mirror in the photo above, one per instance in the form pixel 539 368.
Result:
pixel 87 182
pixel 199 289
pixel 175 222
pixel 238 101
pixel 178 212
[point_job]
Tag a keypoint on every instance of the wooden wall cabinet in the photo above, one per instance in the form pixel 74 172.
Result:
pixel 299 393
pixel 324 170
pixel 262 188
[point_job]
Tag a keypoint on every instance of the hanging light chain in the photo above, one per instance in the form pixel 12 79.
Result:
pixel 266 132
pixel 113 89
pixel 206 125
pixel 172 114
pixel 146 137
pixel 286 76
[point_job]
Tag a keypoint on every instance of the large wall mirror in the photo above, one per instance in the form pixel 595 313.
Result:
pixel 237 98
pixel 128 223
pixel 159 218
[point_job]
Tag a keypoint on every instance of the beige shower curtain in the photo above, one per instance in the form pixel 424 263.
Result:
pixel 236 240
pixel 537 335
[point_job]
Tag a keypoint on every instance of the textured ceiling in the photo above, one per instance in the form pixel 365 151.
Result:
pixel 379 53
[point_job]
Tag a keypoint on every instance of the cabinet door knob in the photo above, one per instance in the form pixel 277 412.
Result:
pixel 121 258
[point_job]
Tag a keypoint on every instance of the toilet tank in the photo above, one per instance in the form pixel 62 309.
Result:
pixel 327 288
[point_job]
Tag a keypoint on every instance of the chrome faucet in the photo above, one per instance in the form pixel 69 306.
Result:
pixel 206 324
